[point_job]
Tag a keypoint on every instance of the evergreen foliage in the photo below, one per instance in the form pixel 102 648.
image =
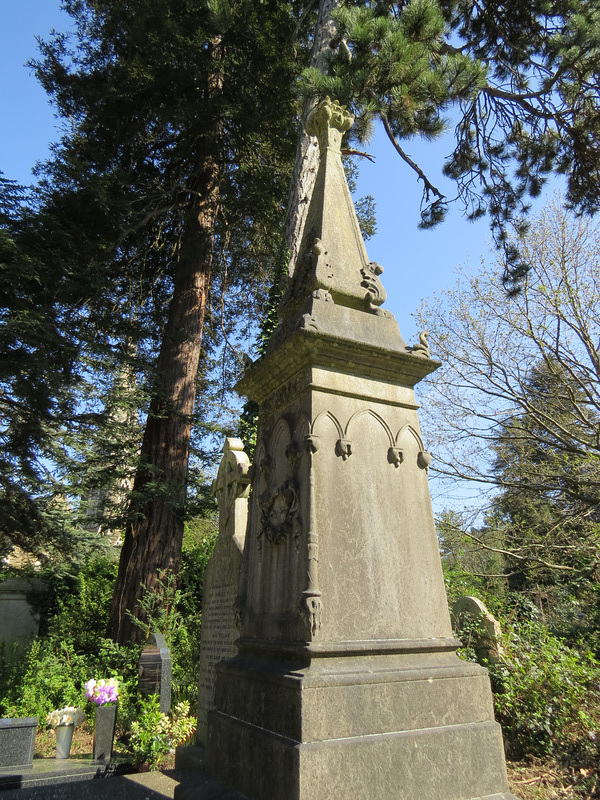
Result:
pixel 519 82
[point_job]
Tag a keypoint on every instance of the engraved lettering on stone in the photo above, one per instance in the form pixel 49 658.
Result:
pixel 286 393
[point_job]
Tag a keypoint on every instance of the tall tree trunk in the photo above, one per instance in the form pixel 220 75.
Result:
pixel 307 153
pixel 154 534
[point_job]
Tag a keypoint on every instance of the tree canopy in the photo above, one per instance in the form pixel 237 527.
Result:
pixel 516 404
pixel 519 82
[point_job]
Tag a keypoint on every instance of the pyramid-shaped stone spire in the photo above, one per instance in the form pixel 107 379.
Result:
pixel 332 258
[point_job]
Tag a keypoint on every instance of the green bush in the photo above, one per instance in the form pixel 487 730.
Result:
pixel 51 671
pixel 546 694
pixel 155 735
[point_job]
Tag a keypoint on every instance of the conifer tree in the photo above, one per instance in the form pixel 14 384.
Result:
pixel 169 180
pixel 519 82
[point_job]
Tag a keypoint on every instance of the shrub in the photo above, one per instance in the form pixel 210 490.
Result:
pixel 155 735
pixel 546 695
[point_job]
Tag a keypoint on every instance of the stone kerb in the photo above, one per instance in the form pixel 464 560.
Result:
pixel 221 579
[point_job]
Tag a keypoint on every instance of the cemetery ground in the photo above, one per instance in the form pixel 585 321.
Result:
pixel 546 693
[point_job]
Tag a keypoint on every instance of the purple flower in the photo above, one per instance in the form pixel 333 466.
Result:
pixel 102 691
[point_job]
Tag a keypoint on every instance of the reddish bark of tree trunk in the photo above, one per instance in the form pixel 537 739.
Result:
pixel 154 534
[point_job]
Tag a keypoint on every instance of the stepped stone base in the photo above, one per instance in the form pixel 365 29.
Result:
pixel 404 726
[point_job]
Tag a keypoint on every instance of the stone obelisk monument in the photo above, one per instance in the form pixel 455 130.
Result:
pixel 346 685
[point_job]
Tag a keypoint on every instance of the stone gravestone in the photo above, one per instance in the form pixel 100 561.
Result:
pixel 155 668
pixel 20 623
pixel 17 741
pixel 346 683
pixel 487 644
pixel 221 579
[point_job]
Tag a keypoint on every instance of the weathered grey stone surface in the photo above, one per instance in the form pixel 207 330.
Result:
pixel 20 622
pixel 105 722
pixel 488 632
pixel 346 683
pixel 17 741
pixel 222 575
pixel 155 670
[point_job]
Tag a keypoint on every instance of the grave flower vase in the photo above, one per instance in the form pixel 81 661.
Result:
pixel 64 738
pixel 104 732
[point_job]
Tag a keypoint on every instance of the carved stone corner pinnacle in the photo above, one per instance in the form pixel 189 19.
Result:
pixel 326 118
pixel 422 348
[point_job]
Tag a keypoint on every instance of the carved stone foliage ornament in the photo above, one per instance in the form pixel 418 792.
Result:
pixel 424 459
pixel 279 513
pixel 375 294
pixel 312 611
pixel 422 348
pixel 395 456
pixel 329 116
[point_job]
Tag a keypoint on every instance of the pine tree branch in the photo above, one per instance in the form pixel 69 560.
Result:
pixel 429 187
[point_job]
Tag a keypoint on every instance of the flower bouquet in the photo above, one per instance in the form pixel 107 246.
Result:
pixel 63 720
pixel 102 692
pixel 69 715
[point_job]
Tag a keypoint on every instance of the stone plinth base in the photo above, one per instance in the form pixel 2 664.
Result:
pixel 404 726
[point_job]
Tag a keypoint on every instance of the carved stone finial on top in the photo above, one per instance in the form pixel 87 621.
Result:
pixel 328 122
